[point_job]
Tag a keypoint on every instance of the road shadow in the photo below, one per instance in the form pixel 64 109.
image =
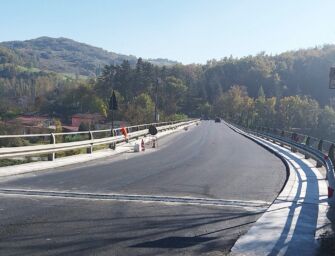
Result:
pixel 191 231
pixel 302 240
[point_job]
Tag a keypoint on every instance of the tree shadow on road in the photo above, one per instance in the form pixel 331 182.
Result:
pixel 188 230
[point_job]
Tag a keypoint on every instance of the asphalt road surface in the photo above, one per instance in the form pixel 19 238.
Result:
pixel 194 195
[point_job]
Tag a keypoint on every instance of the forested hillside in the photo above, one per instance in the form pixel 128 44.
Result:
pixel 303 72
pixel 67 56
pixel 289 90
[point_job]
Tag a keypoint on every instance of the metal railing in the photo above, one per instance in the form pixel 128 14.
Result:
pixel 89 139
pixel 322 151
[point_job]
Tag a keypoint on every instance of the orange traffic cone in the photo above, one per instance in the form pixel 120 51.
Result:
pixel 142 145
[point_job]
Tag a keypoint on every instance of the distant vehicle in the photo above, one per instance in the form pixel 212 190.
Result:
pixel 217 120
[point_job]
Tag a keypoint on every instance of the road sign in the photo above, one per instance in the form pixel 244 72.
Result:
pixel 112 102
pixel 332 78
pixel 153 130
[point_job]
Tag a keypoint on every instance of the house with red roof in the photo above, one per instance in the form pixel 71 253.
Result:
pixel 89 119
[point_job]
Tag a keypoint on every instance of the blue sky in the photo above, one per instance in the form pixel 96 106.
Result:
pixel 189 31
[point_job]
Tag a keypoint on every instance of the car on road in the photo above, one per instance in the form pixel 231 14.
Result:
pixel 217 120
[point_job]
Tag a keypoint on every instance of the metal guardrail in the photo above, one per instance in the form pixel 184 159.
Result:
pixel 112 138
pixel 309 146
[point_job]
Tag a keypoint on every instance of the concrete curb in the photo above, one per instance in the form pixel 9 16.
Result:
pixel 289 225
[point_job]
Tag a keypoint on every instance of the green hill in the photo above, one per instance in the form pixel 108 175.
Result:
pixel 64 55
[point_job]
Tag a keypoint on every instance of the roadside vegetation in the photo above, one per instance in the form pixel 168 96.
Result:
pixel 300 113
pixel 288 91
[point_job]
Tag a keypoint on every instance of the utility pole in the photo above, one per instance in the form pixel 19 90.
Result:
pixel 156 99
pixel 113 106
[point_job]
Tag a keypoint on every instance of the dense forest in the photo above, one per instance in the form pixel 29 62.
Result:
pixel 289 90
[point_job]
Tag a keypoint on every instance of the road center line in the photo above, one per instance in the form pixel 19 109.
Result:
pixel 249 205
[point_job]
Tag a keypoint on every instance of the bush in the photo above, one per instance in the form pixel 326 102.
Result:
pixel 8 162
pixel 13 142
pixel 177 117
pixel 83 127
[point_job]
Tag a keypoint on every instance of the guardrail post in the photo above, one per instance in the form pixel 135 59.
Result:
pixel 320 145
pixel 331 153
pixel 89 150
pixel 137 129
pixel 112 145
pixel 274 132
pixel 294 137
pixel 307 144
pixel 145 128
pixel 51 156
pixel 282 134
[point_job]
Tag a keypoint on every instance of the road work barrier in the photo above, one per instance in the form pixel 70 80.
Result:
pixel 322 151
pixel 94 138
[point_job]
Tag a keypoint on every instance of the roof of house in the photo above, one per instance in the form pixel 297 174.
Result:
pixel 88 116
pixel 29 119
pixel 70 128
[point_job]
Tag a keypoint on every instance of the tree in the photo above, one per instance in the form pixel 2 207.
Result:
pixel 326 124
pixel 104 85
pixel 174 91
pixel 123 80
pixel 309 113
pixel 205 109
pixel 261 94
pixel 288 114
pixel 58 125
pixel 141 110
pixel 234 102
pixel 265 111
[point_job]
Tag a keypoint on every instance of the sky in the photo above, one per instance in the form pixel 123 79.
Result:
pixel 188 31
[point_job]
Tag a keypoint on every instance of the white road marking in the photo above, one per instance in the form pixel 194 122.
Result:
pixel 255 205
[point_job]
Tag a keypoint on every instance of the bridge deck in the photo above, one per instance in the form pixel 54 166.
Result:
pixel 210 162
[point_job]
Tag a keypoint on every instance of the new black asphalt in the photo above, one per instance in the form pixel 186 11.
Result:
pixel 209 161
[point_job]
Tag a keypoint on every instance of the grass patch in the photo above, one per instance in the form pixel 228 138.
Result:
pixel 9 162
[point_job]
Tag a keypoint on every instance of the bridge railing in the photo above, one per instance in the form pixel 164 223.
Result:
pixel 322 151
pixel 60 142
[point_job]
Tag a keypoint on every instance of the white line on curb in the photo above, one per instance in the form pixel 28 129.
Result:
pixel 289 225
